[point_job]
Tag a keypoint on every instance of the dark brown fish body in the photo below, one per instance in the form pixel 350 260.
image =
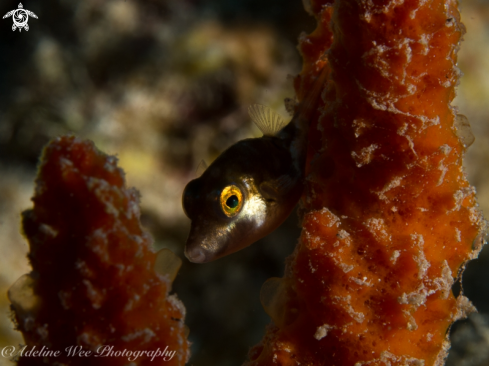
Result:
pixel 248 191
pixel 269 193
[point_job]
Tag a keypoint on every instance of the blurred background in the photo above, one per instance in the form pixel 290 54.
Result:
pixel 165 84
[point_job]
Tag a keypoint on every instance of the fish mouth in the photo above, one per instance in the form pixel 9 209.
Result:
pixel 205 242
pixel 195 255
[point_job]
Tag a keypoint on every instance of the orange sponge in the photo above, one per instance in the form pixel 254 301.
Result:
pixel 93 285
pixel 389 217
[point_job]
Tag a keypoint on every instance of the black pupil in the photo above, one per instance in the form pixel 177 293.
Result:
pixel 232 202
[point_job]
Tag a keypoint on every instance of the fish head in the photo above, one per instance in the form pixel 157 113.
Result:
pixel 225 217
pixel 239 199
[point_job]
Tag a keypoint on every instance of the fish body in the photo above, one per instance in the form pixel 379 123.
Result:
pixel 251 188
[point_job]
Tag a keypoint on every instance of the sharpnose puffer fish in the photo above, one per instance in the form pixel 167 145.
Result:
pixel 252 187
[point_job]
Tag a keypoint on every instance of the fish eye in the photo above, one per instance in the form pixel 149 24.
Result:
pixel 231 200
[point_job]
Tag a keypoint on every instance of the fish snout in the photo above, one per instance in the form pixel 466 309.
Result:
pixel 197 245
pixel 195 255
pixel 208 241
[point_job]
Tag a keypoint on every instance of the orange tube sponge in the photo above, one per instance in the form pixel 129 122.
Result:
pixel 93 283
pixel 389 217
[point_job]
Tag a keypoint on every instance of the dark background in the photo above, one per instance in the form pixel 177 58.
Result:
pixel 164 85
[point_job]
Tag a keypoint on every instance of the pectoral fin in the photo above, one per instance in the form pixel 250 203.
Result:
pixel 167 264
pixel 276 189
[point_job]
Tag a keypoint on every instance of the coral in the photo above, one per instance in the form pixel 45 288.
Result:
pixel 389 219
pixel 93 281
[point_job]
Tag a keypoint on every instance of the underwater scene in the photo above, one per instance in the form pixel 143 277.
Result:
pixel 342 241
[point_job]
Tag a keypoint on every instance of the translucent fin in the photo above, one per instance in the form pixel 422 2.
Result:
pixel 284 182
pixel 268 121
pixel 308 7
pixel 167 263
pixel 463 130
pixel 21 295
pixel 277 301
pixel 275 190
pixel 201 168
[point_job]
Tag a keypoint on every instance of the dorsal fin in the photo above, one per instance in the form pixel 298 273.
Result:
pixel 268 121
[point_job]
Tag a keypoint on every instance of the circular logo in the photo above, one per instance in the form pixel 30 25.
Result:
pixel 20 18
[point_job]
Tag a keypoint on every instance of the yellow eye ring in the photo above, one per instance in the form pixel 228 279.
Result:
pixel 231 200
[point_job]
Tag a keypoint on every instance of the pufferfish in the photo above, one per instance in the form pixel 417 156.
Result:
pixel 252 187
